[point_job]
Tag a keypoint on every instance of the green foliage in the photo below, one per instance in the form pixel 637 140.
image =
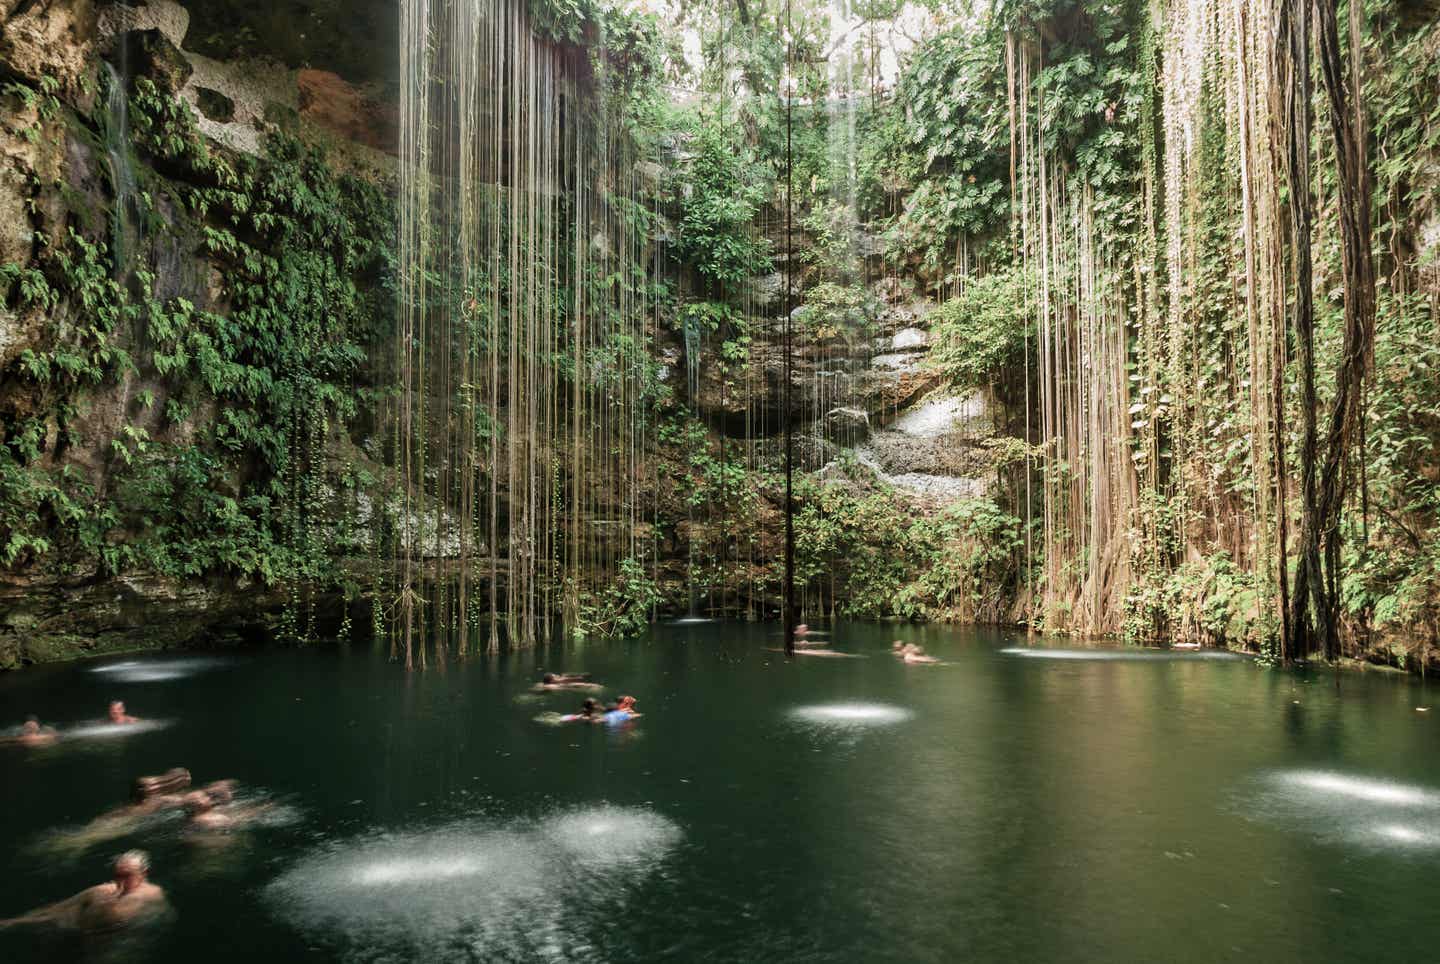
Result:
pixel 726 188
pixel 1210 601
pixel 979 336
pixel 943 145
pixel 878 559
pixel 306 258
pixel 623 608
pixel 41 99
pixel 837 311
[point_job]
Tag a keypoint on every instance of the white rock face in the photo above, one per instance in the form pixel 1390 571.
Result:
pixel 944 488
pixel 917 450
pixel 171 19
pixel 910 338
pixel 251 86
pixel 935 417
pixel 897 361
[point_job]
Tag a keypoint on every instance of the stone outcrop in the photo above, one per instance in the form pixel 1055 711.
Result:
pixel 59 171
pixel 44 621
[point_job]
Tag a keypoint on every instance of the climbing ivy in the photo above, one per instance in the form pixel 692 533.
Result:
pixel 256 382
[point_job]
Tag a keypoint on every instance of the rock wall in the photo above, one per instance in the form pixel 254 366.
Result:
pixel 58 174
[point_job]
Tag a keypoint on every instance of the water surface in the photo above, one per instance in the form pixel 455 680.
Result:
pixel 996 807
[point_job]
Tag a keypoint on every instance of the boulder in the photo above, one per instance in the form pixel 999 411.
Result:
pixel 149 53
pixel 847 426
pixel 52 39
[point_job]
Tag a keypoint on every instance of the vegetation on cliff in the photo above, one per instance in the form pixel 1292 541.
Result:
pixel 1202 326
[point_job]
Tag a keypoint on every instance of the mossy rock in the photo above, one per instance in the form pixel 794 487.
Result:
pixel 150 54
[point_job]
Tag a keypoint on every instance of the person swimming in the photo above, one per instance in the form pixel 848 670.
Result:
pixel 214 808
pixel 121 901
pixel 566 681
pixel 910 653
pixel 150 796
pixel 33 734
pixel 805 637
pixel 153 794
pixel 590 712
pixel 621 712
pixel 115 713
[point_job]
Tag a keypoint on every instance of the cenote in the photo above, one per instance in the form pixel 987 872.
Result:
pixel 362 361
pixel 990 807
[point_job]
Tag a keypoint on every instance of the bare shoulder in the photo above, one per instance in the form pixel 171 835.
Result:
pixel 148 892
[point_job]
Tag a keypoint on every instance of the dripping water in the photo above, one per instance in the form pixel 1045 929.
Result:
pixel 125 226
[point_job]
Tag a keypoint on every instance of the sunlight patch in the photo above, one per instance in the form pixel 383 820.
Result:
pixel 1118 655
pixel 1362 812
pixel 1359 788
pixel 157 670
pixel 104 730
pixel 526 890
pixel 851 714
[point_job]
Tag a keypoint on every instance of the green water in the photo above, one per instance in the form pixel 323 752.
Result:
pixel 999 807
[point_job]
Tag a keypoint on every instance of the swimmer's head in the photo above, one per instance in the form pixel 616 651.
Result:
pixel 221 792
pixel 31 726
pixel 116 711
pixel 549 678
pixel 626 702
pixel 171 781
pixel 589 706
pixel 898 645
pixel 132 865
pixel 197 801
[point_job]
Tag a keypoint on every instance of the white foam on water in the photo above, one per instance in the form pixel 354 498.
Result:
pixel 851 714
pixel 104 730
pixel 525 890
pixel 156 670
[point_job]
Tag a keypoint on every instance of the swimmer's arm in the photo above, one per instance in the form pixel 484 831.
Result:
pixel 62 911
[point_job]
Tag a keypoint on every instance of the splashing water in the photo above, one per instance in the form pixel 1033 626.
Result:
pixel 527 890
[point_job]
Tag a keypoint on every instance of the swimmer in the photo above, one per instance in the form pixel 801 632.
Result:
pixel 214 809
pixel 805 637
pixel 104 906
pixel 910 653
pixel 589 713
pixel 622 711
pixel 153 794
pixel 116 714
pixel 150 796
pixel 566 681
pixel 33 734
